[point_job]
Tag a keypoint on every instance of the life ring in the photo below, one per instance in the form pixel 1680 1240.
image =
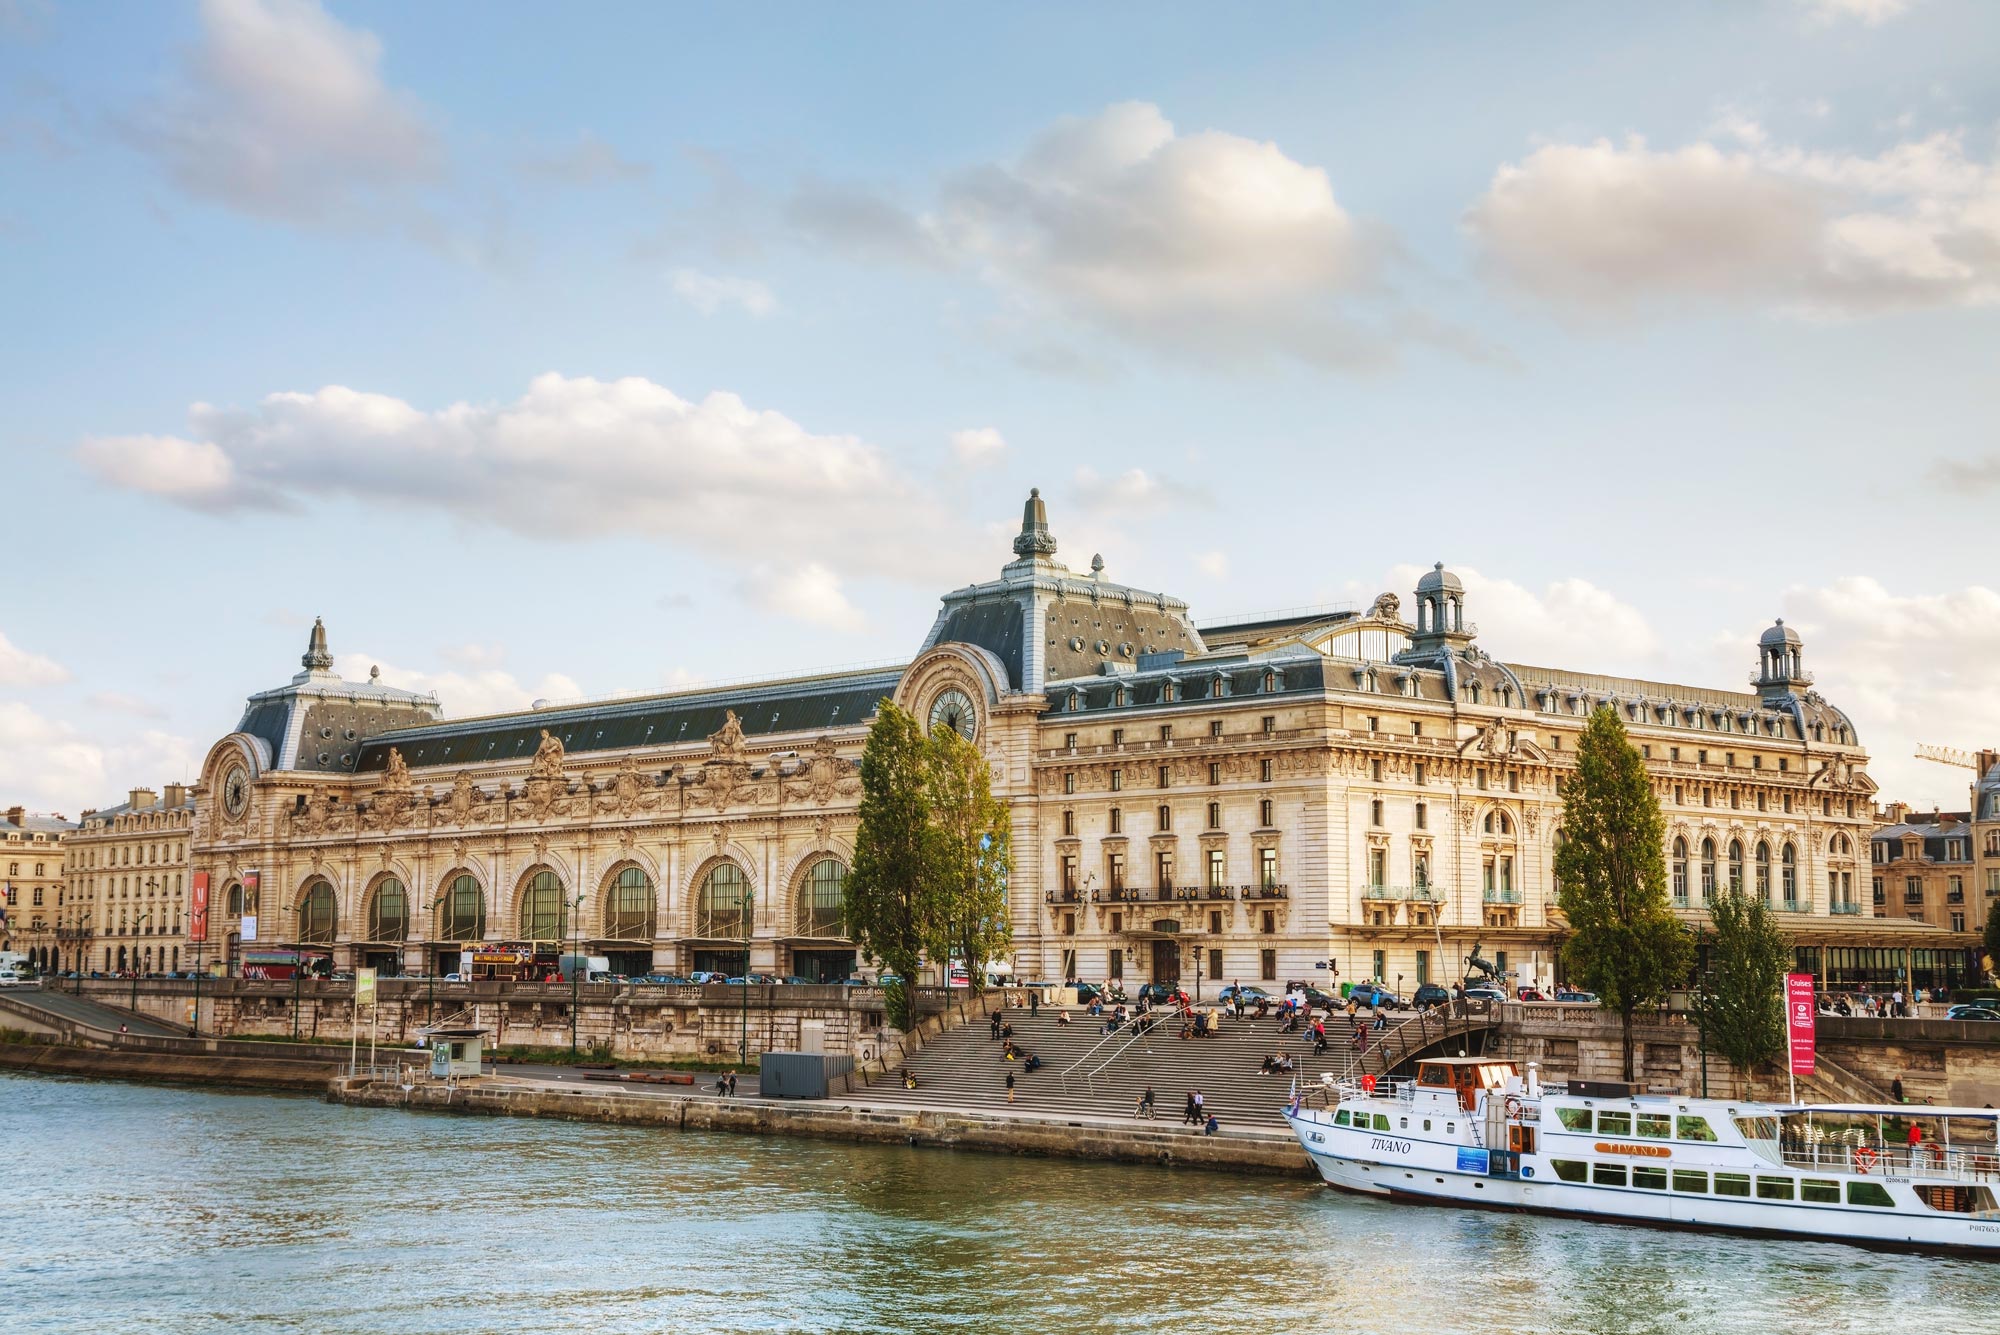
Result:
pixel 1367 1084
pixel 1864 1158
pixel 1513 1106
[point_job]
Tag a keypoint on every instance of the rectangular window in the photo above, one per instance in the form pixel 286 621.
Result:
pixel 1870 1193
pixel 1069 822
pixel 1608 1174
pixel 1775 1188
pixel 1575 1119
pixel 1374 723
pixel 1375 812
pixel 1069 781
pixel 1117 780
pixel 1480 780
pixel 1614 1123
pixel 1118 736
pixel 1819 1191
pixel 1117 881
pixel 1215 964
pixel 1270 723
pixel 1570 1170
pixel 1215 815
pixel 1732 1184
pixel 1215 927
pixel 1381 961
pixel 1069 741
pixel 1648 1178
pixel 1166 732
pixel 1423 816
pixel 1163 868
pixel 1117 821
pixel 1375 771
pixel 1378 867
pixel 1218 869
pixel 1215 727
pixel 1653 1126
pixel 1166 776
pixel 1115 968
pixel 1215 771
pixel 1513 781
pixel 1166 819
pixel 1419 773
pixel 1416 729
pixel 1264 813
pixel 1264 770
pixel 1688 1127
pixel 1267 965
pixel 1069 873
pixel 1267 868
pixel 1688 1179
pixel 1423 967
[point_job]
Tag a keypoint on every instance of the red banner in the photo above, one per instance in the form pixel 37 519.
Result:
pixel 1799 1008
pixel 198 909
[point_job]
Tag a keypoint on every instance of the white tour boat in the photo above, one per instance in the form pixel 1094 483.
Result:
pixel 1475 1131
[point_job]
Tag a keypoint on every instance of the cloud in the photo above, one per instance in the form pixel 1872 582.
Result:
pixel 978 447
pixel 709 293
pixel 1871 13
pixel 1133 491
pixel 467 694
pixel 118 702
pixel 50 765
pixel 1969 475
pixel 573 458
pixel 1571 623
pixel 586 161
pixel 1215 565
pixel 1203 243
pixel 674 602
pixel 1609 228
pixel 281 112
pixel 18 667
pixel 808 592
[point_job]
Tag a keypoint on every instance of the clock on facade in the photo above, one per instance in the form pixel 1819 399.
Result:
pixel 235 791
pixel 951 709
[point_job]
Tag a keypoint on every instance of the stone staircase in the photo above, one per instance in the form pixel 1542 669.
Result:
pixel 1084 1073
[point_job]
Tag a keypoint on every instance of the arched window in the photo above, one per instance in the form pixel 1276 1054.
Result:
pixel 1789 874
pixel 1763 871
pixel 1680 870
pixel 631 908
pixel 235 901
pixel 819 899
pixel 317 919
pixel 1488 824
pixel 389 911
pixel 1707 869
pixel 1840 843
pixel 463 916
pixel 544 915
pixel 719 907
pixel 1736 865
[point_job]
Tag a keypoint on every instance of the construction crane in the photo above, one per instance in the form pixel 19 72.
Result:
pixel 1947 755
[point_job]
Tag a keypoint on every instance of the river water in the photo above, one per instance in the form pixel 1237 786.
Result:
pixel 135 1208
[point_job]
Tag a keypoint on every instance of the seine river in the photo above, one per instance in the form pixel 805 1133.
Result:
pixel 132 1208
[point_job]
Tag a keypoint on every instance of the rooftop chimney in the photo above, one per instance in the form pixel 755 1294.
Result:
pixel 15 814
pixel 176 796
pixel 142 798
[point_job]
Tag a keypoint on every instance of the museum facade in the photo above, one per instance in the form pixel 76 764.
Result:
pixel 1339 794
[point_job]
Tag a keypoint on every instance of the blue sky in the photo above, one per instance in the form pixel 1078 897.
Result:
pixel 551 353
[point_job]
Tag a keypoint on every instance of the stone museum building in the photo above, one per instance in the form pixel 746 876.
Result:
pixel 1332 795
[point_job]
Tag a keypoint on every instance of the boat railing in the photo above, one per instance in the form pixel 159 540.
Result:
pixel 1931 1164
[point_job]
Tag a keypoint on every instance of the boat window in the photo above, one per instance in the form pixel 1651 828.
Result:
pixel 1758 1128
pixel 1570 1170
pixel 1774 1188
pixel 1574 1119
pixel 1693 1128
pixel 1608 1174
pixel 1870 1193
pixel 1819 1190
pixel 1432 1074
pixel 1688 1179
pixel 1652 1179
pixel 1381 1121
pixel 1340 1118
pixel 1451 1128
pixel 1653 1126
pixel 1402 1124
pixel 1732 1184
pixel 1427 1124
pixel 1614 1124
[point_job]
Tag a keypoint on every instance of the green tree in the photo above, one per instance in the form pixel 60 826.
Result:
pixel 888 902
pixel 1740 1001
pixel 969 854
pixel 1625 944
pixel 1993 940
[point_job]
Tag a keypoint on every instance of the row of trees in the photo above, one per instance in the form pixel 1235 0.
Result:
pixel 931 856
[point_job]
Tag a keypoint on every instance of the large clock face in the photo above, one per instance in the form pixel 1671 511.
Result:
pixel 235 791
pixel 953 710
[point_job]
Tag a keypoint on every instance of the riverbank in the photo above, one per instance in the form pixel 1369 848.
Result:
pixel 304 1077
pixel 1107 1139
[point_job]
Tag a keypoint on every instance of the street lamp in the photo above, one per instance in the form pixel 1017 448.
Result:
pixel 136 923
pixel 576 958
pixel 749 927
pixel 431 972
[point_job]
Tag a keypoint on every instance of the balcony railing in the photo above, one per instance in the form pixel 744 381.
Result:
pixel 1794 906
pixel 1421 893
pixel 1491 896
pixel 1843 908
pixel 1681 900
pixel 1279 891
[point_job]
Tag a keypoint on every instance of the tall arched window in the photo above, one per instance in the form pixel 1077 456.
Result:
pixel 1763 871
pixel 1707 869
pixel 317 919
pixel 1680 870
pixel 543 912
pixel 235 901
pixel 463 915
pixel 631 908
pixel 1736 866
pixel 719 907
pixel 819 899
pixel 1789 874
pixel 389 911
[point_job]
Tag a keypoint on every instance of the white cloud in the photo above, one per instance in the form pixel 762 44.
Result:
pixel 978 447
pixel 479 690
pixel 1215 565
pixel 50 765
pixel 1133 491
pixel 808 592
pixel 281 111
pixel 1571 623
pixel 119 702
pixel 573 458
pixel 586 161
pixel 1202 243
pixel 709 293
pixel 1611 227
pixel 1871 13
pixel 18 667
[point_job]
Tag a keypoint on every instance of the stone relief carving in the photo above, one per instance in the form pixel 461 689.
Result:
pixel 824 774
pixel 628 792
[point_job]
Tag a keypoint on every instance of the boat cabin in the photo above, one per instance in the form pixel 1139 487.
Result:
pixel 1464 1077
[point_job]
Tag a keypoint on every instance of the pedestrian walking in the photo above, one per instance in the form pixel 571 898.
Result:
pixel 1198 1109
pixel 1896 1089
pixel 1010 1086
pixel 995 1026
pixel 1034 1001
pixel 1187 1113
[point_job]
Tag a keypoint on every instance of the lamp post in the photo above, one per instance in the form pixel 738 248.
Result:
pixel 749 928
pixel 430 1016
pixel 136 923
pixel 575 958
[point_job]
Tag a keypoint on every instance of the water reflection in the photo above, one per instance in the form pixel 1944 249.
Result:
pixel 131 1207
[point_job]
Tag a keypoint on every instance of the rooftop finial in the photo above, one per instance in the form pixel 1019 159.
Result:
pixel 316 658
pixel 1035 539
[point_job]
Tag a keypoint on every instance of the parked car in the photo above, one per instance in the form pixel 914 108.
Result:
pixel 452 978
pixel 1576 994
pixel 1251 996
pixel 1529 994
pixel 1484 992
pixel 1968 1010
pixel 1374 994
pixel 1158 994
pixel 1430 994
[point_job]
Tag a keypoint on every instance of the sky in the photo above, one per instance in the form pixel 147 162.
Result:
pixel 560 352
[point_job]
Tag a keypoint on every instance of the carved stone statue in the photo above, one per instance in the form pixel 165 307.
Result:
pixel 398 775
pixel 548 762
pixel 727 741
pixel 1388 607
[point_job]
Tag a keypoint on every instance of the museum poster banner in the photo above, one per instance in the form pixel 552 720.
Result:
pixel 1799 1020
pixel 198 909
pixel 250 905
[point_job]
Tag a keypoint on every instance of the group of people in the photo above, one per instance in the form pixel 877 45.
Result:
pixel 1896 1005
pixel 1196 1112
pixel 1278 1063
pixel 1002 1030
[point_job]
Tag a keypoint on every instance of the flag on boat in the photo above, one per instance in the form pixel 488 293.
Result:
pixel 1293 1109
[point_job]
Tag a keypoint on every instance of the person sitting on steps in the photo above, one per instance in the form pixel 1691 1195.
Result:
pixel 1062 1017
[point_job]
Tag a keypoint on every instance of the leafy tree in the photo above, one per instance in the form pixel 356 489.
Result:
pixel 1740 1003
pixel 1625 944
pixel 1993 940
pixel 969 854
pixel 889 903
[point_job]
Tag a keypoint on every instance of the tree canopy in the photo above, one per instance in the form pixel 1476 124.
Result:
pixel 1740 999
pixel 1611 872
pixel 970 854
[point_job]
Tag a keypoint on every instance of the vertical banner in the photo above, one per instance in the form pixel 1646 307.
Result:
pixel 1799 1020
pixel 364 987
pixel 198 909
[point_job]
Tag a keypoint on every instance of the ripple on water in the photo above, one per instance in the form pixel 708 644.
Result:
pixel 130 1207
